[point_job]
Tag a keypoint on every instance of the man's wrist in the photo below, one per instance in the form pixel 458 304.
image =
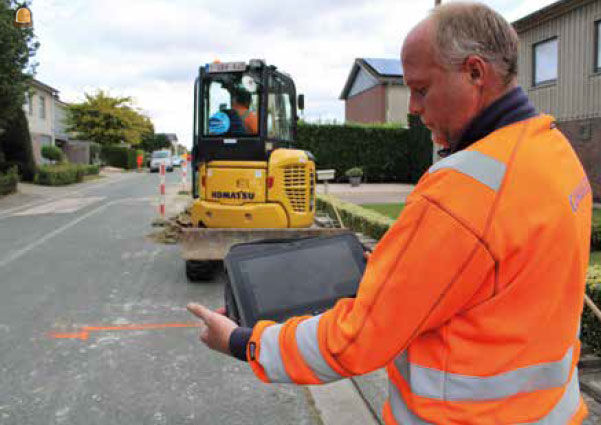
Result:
pixel 238 341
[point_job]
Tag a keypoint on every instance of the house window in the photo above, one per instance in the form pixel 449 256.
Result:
pixel 42 107
pixel 545 62
pixel 28 105
pixel 598 46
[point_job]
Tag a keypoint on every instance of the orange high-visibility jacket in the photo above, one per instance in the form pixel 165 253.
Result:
pixel 472 299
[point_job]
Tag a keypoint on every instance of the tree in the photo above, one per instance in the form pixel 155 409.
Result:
pixel 108 120
pixel 17 48
pixel 155 142
pixel 16 144
pixel 181 149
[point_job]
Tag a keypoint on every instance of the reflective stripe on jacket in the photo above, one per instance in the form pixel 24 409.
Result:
pixel 471 300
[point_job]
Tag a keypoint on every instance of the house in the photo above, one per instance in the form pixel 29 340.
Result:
pixel 76 151
pixel 173 140
pixel 46 115
pixel 60 128
pixel 375 93
pixel 40 106
pixel 560 69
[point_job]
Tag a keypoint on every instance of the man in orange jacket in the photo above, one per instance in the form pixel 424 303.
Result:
pixel 472 299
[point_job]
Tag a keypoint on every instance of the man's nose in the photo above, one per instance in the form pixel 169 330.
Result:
pixel 415 105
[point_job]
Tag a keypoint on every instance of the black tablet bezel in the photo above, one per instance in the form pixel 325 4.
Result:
pixel 245 298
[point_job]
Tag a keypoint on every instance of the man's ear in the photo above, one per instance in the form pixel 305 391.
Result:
pixel 475 67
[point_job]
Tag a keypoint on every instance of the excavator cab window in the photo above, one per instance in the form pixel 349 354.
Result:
pixel 231 105
pixel 280 113
pixel 242 112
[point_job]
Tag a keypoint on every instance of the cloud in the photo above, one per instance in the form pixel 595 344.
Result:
pixel 151 49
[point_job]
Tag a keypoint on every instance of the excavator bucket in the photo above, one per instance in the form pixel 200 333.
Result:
pixel 205 244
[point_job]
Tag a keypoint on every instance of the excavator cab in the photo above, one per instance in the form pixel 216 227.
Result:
pixel 245 172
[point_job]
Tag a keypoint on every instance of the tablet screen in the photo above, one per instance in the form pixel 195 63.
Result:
pixel 310 275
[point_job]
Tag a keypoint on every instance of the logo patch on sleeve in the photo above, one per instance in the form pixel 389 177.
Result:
pixel 578 194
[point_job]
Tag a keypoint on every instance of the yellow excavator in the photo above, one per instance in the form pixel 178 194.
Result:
pixel 248 181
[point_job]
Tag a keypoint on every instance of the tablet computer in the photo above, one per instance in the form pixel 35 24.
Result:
pixel 276 280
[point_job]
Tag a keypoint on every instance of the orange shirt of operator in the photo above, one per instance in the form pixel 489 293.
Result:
pixel 249 118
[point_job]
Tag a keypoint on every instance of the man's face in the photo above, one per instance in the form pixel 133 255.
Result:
pixel 445 99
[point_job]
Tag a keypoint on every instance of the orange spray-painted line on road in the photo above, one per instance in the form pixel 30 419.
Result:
pixel 83 334
pixel 78 335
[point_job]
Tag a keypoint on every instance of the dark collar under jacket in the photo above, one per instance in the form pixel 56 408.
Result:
pixel 512 107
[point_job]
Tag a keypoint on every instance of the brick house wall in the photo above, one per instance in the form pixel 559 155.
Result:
pixel 368 106
pixel 573 95
pixel 585 136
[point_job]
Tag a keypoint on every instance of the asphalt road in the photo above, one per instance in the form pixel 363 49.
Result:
pixel 75 265
pixel 89 309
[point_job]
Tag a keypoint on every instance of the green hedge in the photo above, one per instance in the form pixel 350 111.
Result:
pixel 8 181
pixel 119 156
pixel 374 224
pixel 385 153
pixel 89 170
pixel 59 174
pixel 591 326
pixel 596 230
pixel 359 219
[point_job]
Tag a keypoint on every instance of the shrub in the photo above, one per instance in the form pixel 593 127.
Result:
pixel 354 172
pixel 596 230
pixel 591 326
pixel 359 219
pixel 17 148
pixel 386 152
pixel 52 153
pixel 89 169
pixel 59 174
pixel 119 156
pixel 8 181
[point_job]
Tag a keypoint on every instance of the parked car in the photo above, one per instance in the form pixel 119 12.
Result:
pixel 161 157
pixel 177 161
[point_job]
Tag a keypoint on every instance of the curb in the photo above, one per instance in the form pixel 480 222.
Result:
pixel 341 403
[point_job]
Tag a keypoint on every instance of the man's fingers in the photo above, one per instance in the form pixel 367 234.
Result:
pixel 221 310
pixel 200 311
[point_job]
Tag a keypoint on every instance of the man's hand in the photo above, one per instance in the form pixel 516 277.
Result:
pixel 217 327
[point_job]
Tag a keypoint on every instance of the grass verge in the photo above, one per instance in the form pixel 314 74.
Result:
pixel 92 178
pixel 389 210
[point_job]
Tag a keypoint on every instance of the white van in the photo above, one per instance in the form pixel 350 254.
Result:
pixel 161 157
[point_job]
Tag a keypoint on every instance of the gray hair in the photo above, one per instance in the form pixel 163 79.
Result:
pixel 464 29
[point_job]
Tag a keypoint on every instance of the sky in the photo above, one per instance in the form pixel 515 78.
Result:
pixel 151 49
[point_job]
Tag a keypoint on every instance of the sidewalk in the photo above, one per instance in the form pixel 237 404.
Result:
pixel 369 193
pixel 28 193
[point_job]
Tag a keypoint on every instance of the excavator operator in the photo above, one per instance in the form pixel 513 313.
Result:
pixel 241 100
